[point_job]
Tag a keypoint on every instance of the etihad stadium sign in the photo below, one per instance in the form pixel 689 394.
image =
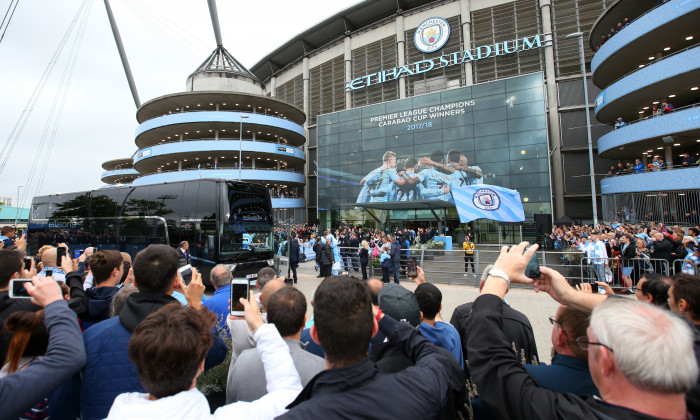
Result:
pixel 452 59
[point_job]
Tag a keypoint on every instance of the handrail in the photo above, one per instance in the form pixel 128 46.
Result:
pixel 654 116
pixel 221 139
pixel 646 170
pixel 219 167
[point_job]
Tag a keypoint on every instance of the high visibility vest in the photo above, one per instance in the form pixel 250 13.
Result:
pixel 468 248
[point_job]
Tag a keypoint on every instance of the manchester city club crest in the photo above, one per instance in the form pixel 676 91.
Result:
pixel 486 199
pixel 431 35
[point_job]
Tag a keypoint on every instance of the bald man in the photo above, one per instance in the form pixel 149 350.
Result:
pixel 48 262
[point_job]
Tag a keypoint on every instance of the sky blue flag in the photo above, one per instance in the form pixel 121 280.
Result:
pixel 488 202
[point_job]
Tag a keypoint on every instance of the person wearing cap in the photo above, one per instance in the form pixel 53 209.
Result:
pixel 619 123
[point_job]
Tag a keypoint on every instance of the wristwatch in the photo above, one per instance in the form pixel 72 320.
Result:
pixel 495 272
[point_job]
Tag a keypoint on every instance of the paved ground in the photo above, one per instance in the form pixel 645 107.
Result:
pixel 537 306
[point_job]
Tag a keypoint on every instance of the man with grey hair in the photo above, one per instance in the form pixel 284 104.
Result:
pixel 220 277
pixel 640 357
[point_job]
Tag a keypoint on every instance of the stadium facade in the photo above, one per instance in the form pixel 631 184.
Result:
pixel 496 82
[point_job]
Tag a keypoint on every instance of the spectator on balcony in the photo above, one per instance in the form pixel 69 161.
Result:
pixel 655 111
pixel 662 164
pixel 656 165
pixel 626 22
pixel 612 170
pixel 629 169
pixel 687 160
pixel 667 107
pixel 620 26
pixel 619 123
pixel 604 38
pixel 612 32
pixel 638 166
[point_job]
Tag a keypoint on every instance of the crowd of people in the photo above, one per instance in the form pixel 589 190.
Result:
pixel 657 164
pixel 351 249
pixel 372 350
pixel 632 250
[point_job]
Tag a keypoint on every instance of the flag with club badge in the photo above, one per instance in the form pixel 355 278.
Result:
pixel 488 202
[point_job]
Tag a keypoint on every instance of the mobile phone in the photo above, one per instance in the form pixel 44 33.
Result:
pixel 184 270
pixel 17 289
pixel 77 253
pixel 27 263
pixel 412 268
pixel 240 288
pixel 594 287
pixel 533 267
pixel 60 253
pixel 49 272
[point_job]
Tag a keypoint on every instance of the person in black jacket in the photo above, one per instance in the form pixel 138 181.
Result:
pixel 294 256
pixel 351 387
pixel 326 259
pixel 664 249
pixel 516 326
pixel 364 258
pixel 395 253
pixel 628 251
pixel 642 363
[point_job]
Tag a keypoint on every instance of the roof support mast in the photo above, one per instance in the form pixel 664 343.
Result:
pixel 122 55
pixel 214 22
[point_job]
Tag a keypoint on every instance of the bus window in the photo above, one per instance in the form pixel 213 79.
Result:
pixel 137 203
pixel 105 203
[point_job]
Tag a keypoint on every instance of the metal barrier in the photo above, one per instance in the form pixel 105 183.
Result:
pixel 610 270
pixel 450 266
pixel 680 267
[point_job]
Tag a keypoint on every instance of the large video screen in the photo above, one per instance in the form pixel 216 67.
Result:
pixel 420 148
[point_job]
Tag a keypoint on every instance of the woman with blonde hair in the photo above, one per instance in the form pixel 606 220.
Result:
pixel 364 258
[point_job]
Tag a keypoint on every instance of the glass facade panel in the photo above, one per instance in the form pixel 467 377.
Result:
pixel 416 149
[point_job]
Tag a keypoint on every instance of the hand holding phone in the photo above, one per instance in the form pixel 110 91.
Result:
pixel 60 253
pixel 184 270
pixel 533 267
pixel 240 289
pixel 412 268
pixel 17 289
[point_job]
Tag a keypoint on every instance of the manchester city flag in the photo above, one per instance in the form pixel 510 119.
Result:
pixel 488 202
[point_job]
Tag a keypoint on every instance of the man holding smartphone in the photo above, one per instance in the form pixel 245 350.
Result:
pixel 12 267
pixel 52 267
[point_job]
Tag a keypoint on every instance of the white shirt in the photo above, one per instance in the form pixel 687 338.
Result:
pixel 283 385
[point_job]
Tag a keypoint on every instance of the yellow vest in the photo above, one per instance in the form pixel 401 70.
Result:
pixel 468 248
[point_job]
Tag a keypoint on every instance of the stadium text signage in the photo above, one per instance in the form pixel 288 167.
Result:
pixel 451 59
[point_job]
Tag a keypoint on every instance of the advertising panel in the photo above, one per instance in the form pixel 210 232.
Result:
pixel 420 148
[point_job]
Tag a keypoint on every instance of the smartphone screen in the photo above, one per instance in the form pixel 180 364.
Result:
pixel 239 289
pixel 412 268
pixel 27 263
pixel 533 267
pixel 77 253
pixel 60 253
pixel 185 270
pixel 17 289
pixel 594 287
pixel 49 272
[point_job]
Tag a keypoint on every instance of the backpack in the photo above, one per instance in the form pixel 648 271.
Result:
pixel 386 263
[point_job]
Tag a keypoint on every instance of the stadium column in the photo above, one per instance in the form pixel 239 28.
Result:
pixel 273 86
pixel 348 70
pixel 466 17
pixel 305 76
pixel 557 173
pixel 400 47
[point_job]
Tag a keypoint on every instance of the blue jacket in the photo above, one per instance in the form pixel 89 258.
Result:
pixel 566 374
pixel 218 304
pixel 445 336
pixel 108 371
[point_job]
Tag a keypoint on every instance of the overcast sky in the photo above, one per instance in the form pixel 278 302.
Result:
pixel 165 41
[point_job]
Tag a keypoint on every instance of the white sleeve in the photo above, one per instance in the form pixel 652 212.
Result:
pixel 283 382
